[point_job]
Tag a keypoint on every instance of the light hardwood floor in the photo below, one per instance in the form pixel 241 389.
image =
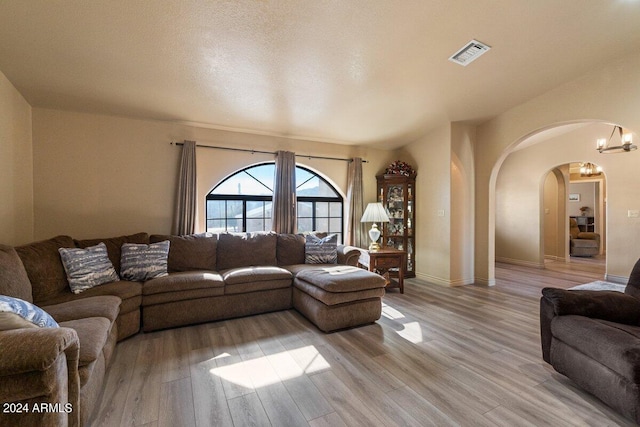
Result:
pixel 438 356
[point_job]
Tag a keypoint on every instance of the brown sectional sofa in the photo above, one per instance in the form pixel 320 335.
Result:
pixel 211 277
pixel 593 338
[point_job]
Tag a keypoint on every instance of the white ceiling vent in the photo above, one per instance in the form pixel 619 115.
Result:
pixel 469 53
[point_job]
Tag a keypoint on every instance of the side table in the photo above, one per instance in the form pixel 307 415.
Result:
pixel 386 262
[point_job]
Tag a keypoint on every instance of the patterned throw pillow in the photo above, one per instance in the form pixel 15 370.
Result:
pixel 321 251
pixel 88 267
pixel 141 262
pixel 16 313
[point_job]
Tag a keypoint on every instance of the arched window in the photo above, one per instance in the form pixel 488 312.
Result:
pixel 242 202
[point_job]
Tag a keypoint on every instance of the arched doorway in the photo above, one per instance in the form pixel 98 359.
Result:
pixel 574 194
pixel 519 190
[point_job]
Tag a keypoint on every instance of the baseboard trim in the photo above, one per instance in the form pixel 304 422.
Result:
pixel 443 282
pixel 616 279
pixel 555 258
pixel 485 282
pixel 523 263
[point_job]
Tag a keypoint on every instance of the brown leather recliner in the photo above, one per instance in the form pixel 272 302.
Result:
pixel 593 338
pixel 582 243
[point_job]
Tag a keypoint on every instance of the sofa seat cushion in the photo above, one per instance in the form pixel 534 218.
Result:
pixel 183 281
pixel 100 306
pixel 335 298
pixel 249 274
pixel 129 292
pixel 584 243
pixel 297 268
pixel 341 278
pixel 614 345
pixel 251 279
pixel 182 286
pixel 92 336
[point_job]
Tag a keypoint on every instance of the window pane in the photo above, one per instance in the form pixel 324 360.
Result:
pixel 314 187
pixel 255 224
pixel 305 209
pixel 234 225
pixel 248 214
pixel 215 225
pixel 302 175
pixel 304 224
pixel 255 209
pixel 215 208
pixel 322 224
pixel 308 188
pixel 234 209
pixel 255 181
pixel 322 209
pixel 335 209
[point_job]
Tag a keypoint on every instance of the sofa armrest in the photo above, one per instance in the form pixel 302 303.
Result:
pixel 348 255
pixel 40 365
pixel 33 349
pixel 606 305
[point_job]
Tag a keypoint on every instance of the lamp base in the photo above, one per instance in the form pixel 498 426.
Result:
pixel 374 235
pixel 374 247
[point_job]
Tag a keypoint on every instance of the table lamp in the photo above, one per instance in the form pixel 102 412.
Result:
pixel 374 213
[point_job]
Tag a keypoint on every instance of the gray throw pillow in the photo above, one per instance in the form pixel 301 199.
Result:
pixel 321 251
pixel 142 262
pixel 16 314
pixel 88 267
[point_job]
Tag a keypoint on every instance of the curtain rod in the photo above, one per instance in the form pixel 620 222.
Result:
pixel 267 152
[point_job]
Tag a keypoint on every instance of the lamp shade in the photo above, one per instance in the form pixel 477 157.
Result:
pixel 375 213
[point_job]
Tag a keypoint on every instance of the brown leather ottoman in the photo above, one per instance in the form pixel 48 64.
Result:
pixel 338 297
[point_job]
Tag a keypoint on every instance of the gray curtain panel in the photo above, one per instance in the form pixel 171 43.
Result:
pixel 185 212
pixel 356 231
pixel 284 193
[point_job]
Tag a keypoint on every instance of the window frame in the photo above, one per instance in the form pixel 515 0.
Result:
pixel 263 198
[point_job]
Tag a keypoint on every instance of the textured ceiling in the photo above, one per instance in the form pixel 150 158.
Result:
pixel 355 72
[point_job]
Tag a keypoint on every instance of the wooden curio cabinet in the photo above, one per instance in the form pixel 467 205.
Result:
pixel 397 195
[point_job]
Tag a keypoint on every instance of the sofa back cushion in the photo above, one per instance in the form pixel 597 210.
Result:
pixel 14 281
pixel 290 249
pixel 244 249
pixel 44 267
pixel 114 245
pixel 190 252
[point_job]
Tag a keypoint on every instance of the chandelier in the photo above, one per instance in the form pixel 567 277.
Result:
pixel 589 169
pixel 605 146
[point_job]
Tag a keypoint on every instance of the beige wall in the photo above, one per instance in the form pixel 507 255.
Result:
pixel 98 175
pixel 462 203
pixel 431 157
pixel 444 204
pixel 16 167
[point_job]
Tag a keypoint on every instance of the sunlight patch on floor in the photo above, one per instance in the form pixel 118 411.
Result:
pixel 271 369
pixel 412 332
pixel 391 313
